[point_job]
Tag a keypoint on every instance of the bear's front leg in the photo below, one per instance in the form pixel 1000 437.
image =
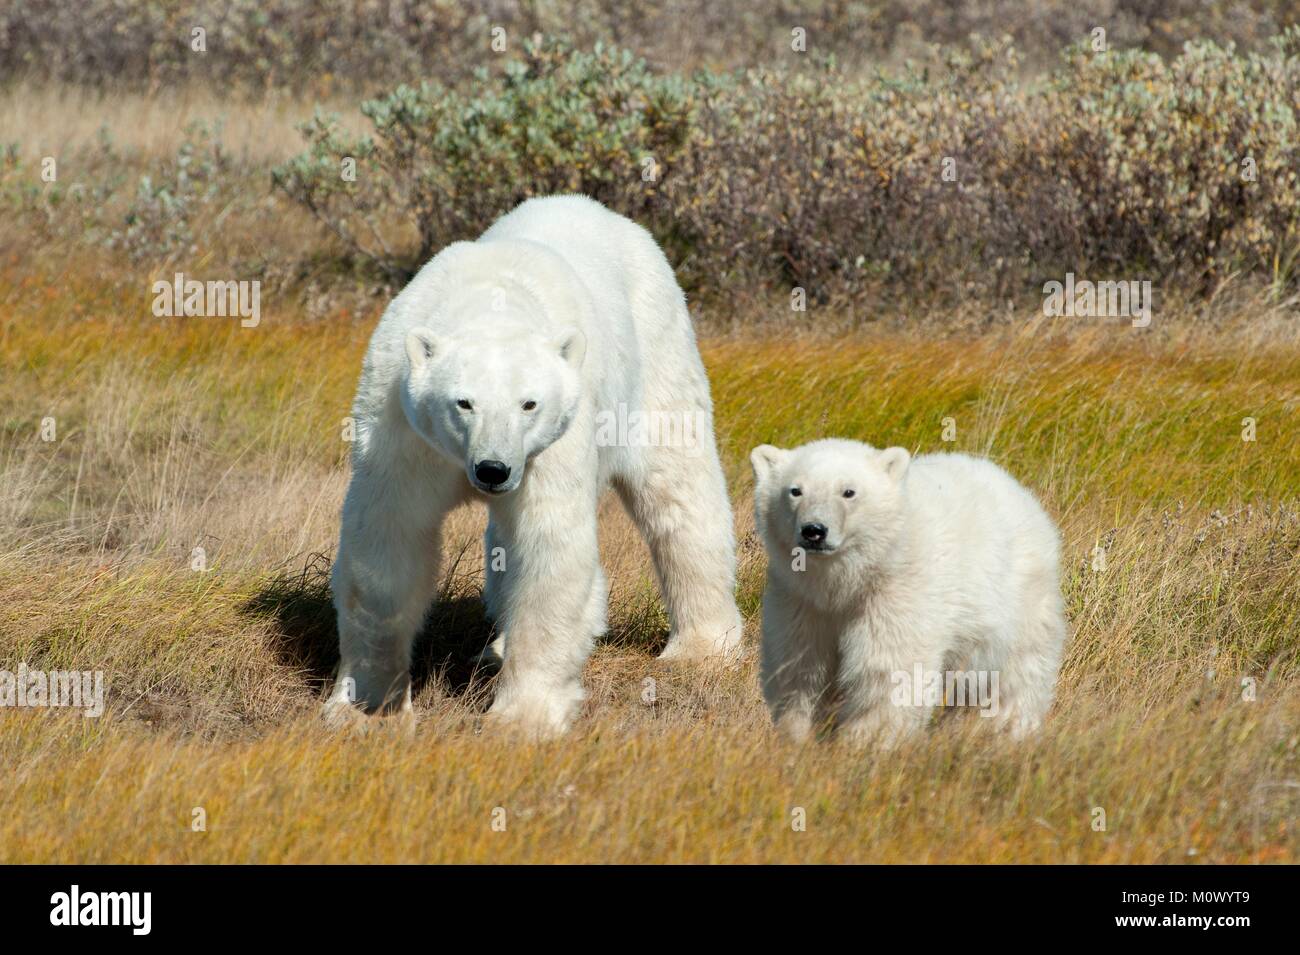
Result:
pixel 384 578
pixel 547 530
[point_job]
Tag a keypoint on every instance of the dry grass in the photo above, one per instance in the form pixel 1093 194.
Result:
pixel 55 119
pixel 179 434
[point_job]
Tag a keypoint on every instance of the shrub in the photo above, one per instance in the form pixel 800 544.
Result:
pixel 157 224
pixel 1183 167
pixel 555 121
pixel 153 210
pixel 832 183
pixel 70 207
pixel 954 174
pixel 259 44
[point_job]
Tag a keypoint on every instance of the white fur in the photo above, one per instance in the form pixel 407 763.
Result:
pixel 566 304
pixel 942 562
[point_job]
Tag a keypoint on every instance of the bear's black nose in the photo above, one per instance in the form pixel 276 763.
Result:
pixel 813 533
pixel 491 473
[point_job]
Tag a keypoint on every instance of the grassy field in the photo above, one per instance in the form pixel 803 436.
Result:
pixel 1182 577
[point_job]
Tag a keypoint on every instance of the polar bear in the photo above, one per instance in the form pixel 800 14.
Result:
pixel 895 582
pixel 529 369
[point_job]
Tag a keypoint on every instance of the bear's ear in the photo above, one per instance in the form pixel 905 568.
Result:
pixel 421 345
pixel 894 461
pixel 572 346
pixel 764 460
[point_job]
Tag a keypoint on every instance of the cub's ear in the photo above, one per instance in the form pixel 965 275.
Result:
pixel 895 461
pixel 421 345
pixel 572 346
pixel 765 459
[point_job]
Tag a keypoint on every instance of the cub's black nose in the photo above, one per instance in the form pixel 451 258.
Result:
pixel 813 533
pixel 491 473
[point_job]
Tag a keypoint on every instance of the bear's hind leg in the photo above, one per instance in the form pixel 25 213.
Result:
pixel 596 614
pixel 679 503
pixel 495 581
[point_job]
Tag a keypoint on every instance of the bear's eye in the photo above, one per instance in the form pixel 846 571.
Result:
pixel 464 405
pixel 530 405
pixel 850 492
pixel 795 492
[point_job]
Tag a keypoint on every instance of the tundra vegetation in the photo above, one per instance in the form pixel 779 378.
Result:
pixel 865 229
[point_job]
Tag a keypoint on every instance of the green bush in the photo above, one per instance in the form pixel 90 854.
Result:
pixel 158 222
pixel 598 123
pixel 832 183
pixel 70 208
pixel 1120 161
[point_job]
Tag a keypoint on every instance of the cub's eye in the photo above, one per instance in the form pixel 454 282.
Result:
pixel 850 492
pixel 795 492
pixel 530 405
pixel 464 405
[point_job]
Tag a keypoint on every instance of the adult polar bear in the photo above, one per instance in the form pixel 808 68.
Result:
pixel 492 374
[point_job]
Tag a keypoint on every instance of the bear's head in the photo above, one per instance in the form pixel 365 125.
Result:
pixel 492 402
pixel 831 499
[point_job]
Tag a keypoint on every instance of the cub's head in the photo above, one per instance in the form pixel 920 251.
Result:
pixel 492 402
pixel 830 498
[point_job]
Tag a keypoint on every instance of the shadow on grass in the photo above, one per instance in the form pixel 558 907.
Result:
pixel 455 631
pixel 305 632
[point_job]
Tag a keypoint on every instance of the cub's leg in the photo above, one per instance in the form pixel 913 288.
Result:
pixel 1027 682
pixel 879 704
pixel 799 660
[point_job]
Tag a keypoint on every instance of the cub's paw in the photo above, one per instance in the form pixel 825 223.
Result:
pixel 534 716
pixel 339 714
pixel 879 730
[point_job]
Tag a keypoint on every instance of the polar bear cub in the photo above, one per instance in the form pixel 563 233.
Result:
pixel 518 371
pixel 896 584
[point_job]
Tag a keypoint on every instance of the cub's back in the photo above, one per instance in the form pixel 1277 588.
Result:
pixel 967 496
